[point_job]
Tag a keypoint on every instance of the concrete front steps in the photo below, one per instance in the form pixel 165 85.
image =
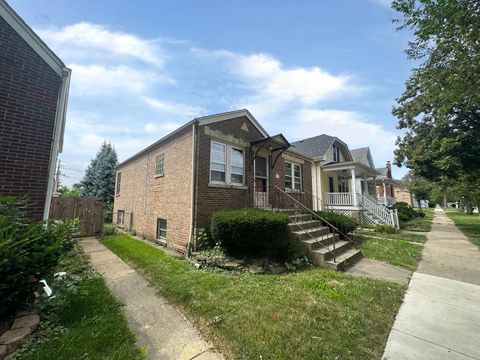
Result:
pixel 319 243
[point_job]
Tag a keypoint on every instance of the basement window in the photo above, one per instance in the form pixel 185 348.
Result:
pixel 121 217
pixel 161 229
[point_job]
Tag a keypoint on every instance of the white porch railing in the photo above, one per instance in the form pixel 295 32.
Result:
pixel 366 202
pixel 339 199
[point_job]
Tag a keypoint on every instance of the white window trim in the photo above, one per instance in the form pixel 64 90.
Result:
pixel 228 165
pixel 164 229
pixel 293 190
pixel 123 217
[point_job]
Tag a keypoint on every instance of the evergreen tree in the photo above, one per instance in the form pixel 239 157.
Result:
pixel 99 179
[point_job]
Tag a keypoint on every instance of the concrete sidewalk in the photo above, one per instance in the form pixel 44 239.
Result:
pixel 440 315
pixel 159 327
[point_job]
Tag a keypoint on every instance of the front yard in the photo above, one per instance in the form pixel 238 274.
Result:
pixel 396 249
pixel 309 314
pixel 468 224
pixel 423 224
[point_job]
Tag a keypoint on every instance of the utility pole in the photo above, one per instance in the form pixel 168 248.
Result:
pixel 57 176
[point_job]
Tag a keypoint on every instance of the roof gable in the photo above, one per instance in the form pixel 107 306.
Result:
pixel 318 146
pixel 211 119
pixel 32 39
pixel 363 155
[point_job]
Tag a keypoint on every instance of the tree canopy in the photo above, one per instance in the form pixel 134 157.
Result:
pixel 440 107
pixel 99 179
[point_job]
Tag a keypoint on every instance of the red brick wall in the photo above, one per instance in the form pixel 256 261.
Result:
pixel 28 100
pixel 168 197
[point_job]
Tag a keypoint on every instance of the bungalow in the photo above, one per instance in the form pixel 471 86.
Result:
pixel 34 85
pixel 169 191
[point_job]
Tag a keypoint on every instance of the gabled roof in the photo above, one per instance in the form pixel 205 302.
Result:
pixel 363 156
pixel 317 147
pixel 32 39
pixel 203 120
pixel 382 171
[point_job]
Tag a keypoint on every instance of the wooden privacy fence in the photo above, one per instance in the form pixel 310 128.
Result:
pixel 89 211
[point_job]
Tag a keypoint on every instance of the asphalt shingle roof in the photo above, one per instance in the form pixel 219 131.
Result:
pixel 360 155
pixel 315 147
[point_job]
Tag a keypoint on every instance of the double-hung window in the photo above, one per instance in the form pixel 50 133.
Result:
pixel 336 153
pixel 121 217
pixel 293 177
pixel 159 165
pixel 226 164
pixel 119 180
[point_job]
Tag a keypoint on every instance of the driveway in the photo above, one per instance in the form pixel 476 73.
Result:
pixel 440 315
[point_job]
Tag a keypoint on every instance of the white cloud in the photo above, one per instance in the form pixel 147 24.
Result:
pixel 96 79
pixel 349 126
pixel 178 109
pixel 164 127
pixel 90 40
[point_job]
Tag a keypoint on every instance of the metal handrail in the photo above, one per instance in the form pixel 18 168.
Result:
pixel 327 207
pixel 334 228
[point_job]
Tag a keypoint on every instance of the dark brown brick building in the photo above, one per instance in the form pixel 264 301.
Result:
pixel 34 85
pixel 169 191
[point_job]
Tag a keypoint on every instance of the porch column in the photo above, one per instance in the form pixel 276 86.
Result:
pixel 354 187
pixel 365 185
pixel 375 187
pixel 384 193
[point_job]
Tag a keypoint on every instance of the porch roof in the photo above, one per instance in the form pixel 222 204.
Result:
pixel 360 168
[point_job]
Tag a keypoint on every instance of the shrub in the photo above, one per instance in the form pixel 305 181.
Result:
pixel 405 211
pixel 28 253
pixel 386 229
pixel 252 232
pixel 343 223
pixel 419 214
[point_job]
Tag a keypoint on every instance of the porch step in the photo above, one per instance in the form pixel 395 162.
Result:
pixel 299 217
pixel 291 211
pixel 326 239
pixel 345 260
pixel 312 232
pixel 304 225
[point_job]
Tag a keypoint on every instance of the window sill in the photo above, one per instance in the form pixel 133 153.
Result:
pixel 294 192
pixel 227 186
pixel 159 176
pixel 161 241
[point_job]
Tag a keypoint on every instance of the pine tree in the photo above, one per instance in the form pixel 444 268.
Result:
pixel 99 179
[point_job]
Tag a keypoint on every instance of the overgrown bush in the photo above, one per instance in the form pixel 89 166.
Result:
pixel 405 211
pixel 342 222
pixel 419 213
pixel 253 232
pixel 386 229
pixel 28 252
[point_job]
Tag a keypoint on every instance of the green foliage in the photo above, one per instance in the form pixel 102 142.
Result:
pixel 252 232
pixel 343 223
pixel 440 107
pixel 385 229
pixel 74 191
pixel 99 179
pixel 28 253
pixel 405 211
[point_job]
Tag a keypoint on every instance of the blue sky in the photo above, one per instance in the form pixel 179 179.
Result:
pixel 143 68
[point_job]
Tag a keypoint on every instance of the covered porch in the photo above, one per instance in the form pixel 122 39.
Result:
pixel 385 191
pixel 346 184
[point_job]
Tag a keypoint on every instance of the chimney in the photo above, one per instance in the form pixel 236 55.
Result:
pixel 389 170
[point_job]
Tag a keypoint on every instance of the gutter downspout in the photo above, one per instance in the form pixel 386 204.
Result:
pixel 192 204
pixel 57 139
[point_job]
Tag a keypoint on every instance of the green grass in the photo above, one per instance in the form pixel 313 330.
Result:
pixel 468 224
pixel 418 238
pixel 419 223
pixel 88 322
pixel 393 251
pixel 310 314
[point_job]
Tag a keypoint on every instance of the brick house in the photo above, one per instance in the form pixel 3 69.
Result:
pixel 169 191
pixel 34 85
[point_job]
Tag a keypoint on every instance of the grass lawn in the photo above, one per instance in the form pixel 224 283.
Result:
pixel 86 323
pixel 391 249
pixel 418 238
pixel 468 224
pixel 420 224
pixel 310 314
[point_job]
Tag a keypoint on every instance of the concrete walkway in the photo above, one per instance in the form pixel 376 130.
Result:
pixel 440 316
pixel 379 270
pixel 160 328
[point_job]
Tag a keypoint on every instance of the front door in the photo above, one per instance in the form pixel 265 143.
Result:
pixel 261 182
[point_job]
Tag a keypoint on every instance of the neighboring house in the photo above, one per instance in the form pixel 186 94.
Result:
pixel 34 85
pixel 344 181
pixel 403 195
pixel 169 191
pixel 386 188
